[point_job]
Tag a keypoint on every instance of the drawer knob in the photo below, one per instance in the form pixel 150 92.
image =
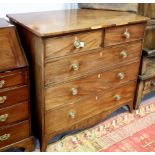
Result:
pixel 126 34
pixel 74 91
pixel 123 54
pixel 121 76
pixel 3 117
pixel 72 114
pixel 2 82
pixel 152 84
pixel 75 66
pixel 5 137
pixel 117 97
pixel 78 44
pixel 3 99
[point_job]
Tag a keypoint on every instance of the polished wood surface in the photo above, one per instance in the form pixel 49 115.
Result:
pixel 62 94
pixel 14 78
pixel 61 46
pixel 66 21
pixel 89 62
pixel 14 95
pixel 114 35
pixel 88 107
pixel 15 113
pixel 58 64
pixel 14 91
pixel 17 132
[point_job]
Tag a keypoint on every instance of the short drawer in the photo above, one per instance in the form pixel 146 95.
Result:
pixel 13 96
pixel 122 34
pixel 13 78
pixel 76 90
pixel 14 133
pixel 75 43
pixel 15 113
pixel 68 115
pixel 78 65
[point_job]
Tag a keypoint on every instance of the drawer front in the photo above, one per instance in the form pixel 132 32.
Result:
pixel 65 45
pixel 13 78
pixel 74 91
pixel 78 65
pixel 122 34
pixel 13 96
pixel 14 133
pixel 15 113
pixel 66 116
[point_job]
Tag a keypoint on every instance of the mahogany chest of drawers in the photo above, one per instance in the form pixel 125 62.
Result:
pixel 84 63
pixel 15 128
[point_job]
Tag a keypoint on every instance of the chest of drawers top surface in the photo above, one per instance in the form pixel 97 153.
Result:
pixel 66 21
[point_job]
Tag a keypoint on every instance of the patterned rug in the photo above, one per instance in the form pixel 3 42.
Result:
pixel 126 132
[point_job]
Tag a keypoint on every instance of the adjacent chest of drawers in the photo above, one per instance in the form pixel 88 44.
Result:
pixel 15 128
pixel 84 62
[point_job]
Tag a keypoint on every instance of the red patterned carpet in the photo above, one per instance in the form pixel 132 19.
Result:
pixel 126 132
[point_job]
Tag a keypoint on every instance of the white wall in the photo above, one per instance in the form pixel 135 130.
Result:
pixel 6 8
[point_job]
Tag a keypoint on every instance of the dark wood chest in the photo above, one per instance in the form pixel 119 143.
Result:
pixel 15 126
pixel 85 65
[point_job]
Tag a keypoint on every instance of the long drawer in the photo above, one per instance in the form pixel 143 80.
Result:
pixel 14 133
pixel 13 78
pixel 69 44
pixel 122 34
pixel 70 114
pixel 13 96
pixel 74 91
pixel 78 65
pixel 15 113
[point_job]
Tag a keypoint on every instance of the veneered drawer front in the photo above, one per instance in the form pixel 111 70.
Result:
pixel 64 45
pixel 13 96
pixel 122 34
pixel 13 78
pixel 14 133
pixel 15 113
pixel 76 90
pixel 78 65
pixel 68 115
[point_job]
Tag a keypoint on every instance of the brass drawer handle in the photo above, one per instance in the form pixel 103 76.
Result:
pixel 123 54
pixel 3 99
pixel 2 82
pixel 117 97
pixel 5 137
pixel 78 44
pixel 121 76
pixel 74 91
pixel 126 34
pixel 72 114
pixel 3 117
pixel 75 66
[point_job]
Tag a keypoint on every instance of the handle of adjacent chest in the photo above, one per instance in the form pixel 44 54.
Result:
pixel 3 117
pixel 2 82
pixel 3 99
pixel 126 34
pixel 5 137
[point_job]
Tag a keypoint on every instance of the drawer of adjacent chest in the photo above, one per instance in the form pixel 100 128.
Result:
pixel 78 65
pixel 13 78
pixel 15 113
pixel 14 133
pixel 69 44
pixel 74 91
pixel 122 34
pixel 68 115
pixel 13 96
